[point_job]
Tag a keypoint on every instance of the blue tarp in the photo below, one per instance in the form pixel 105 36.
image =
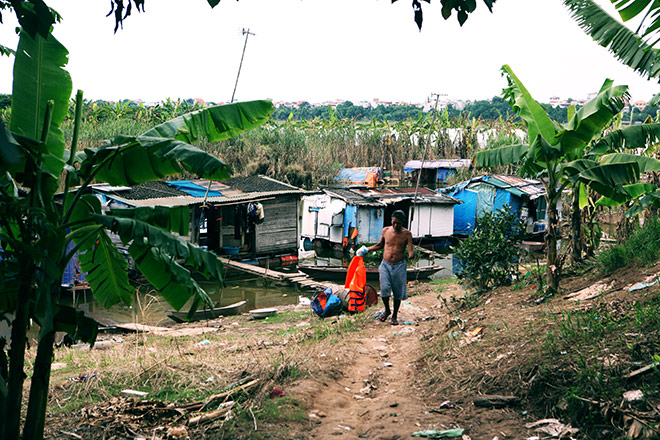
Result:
pixel 465 213
pixel 350 217
pixel 72 273
pixel 192 188
pixel 444 173
pixel 502 198
pixel 357 175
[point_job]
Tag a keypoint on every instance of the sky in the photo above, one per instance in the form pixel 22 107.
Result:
pixel 323 50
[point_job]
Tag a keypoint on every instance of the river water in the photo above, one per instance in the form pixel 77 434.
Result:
pixel 149 308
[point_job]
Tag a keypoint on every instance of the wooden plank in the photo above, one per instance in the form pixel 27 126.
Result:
pixel 268 273
pixel 132 327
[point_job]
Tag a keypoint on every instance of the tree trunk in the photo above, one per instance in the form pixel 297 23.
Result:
pixel 552 272
pixel 36 412
pixel 11 415
pixel 576 227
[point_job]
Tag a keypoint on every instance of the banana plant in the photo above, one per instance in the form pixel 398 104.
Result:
pixel 637 49
pixel 575 154
pixel 40 230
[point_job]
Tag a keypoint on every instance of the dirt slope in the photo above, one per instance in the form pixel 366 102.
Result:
pixel 381 395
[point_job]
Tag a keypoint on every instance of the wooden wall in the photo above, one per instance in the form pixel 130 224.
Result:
pixel 279 230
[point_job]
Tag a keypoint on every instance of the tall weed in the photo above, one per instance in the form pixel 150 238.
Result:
pixel 642 248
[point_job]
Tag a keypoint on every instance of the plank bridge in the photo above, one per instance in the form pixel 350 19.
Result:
pixel 298 278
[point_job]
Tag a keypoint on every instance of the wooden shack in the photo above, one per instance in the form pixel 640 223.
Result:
pixel 249 216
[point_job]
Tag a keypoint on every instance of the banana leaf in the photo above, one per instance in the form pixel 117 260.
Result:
pixel 501 156
pixel 165 150
pixel 635 136
pixel 531 112
pixel 627 46
pixel 173 281
pixel 39 77
pixel 12 156
pixel 634 191
pixel 106 270
pixel 644 163
pixel 608 180
pixel 592 118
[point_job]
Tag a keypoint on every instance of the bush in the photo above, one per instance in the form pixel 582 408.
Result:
pixel 489 256
pixel 642 248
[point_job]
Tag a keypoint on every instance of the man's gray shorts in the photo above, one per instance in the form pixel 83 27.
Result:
pixel 393 280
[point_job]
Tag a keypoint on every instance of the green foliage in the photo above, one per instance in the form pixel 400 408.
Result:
pixel 534 278
pixel 283 409
pixel 489 256
pixel 39 234
pixel 642 248
pixel 592 351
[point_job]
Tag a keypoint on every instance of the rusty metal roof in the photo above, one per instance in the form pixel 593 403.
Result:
pixel 246 189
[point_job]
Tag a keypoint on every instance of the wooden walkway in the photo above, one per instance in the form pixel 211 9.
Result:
pixel 299 278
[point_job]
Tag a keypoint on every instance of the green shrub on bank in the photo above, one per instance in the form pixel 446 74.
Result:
pixel 643 247
pixel 489 256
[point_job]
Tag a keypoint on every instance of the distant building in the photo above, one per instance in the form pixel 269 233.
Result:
pixel 640 105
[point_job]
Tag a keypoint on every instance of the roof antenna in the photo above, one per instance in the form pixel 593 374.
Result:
pixel 247 34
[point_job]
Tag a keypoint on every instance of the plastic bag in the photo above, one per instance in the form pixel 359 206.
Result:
pixel 326 304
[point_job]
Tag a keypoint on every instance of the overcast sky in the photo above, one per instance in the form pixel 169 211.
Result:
pixel 317 50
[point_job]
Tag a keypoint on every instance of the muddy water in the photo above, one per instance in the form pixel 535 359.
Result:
pixel 149 308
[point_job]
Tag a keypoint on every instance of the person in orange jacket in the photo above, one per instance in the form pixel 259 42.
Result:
pixel 392 270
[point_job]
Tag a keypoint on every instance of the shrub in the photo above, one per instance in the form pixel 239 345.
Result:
pixel 489 256
pixel 643 248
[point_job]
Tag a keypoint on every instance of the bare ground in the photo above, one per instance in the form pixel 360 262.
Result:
pixel 384 381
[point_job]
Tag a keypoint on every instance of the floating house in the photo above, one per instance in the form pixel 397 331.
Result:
pixel 367 176
pixel 490 193
pixel 347 217
pixel 250 216
pixel 335 215
pixel 434 173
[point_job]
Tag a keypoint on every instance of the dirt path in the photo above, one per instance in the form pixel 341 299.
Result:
pixel 380 395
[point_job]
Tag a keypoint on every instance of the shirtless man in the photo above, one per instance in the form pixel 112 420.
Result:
pixel 392 270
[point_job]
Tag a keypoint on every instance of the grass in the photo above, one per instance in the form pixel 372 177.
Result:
pixel 179 370
pixel 641 248
pixel 589 353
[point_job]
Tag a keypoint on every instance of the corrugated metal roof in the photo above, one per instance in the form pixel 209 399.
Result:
pixel 513 184
pixel 387 196
pixel 518 185
pixel 433 164
pixel 392 192
pixel 160 194
pixel 352 197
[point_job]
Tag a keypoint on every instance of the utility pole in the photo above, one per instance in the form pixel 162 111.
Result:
pixel 426 148
pixel 247 33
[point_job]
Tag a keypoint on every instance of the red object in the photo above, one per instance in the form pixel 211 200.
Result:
pixel 356 280
pixel 276 392
pixel 288 259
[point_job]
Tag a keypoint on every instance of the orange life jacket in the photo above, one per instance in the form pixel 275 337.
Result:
pixel 356 280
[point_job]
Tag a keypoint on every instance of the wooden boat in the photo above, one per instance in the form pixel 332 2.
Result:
pixel 231 309
pixel 339 272
pixel 263 313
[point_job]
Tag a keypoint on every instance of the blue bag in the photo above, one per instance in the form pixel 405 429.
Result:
pixel 325 303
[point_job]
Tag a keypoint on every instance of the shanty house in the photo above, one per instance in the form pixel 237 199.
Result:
pixel 358 215
pixel 253 215
pixel 491 193
pixel 430 214
pixel 434 173
pixel 338 214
